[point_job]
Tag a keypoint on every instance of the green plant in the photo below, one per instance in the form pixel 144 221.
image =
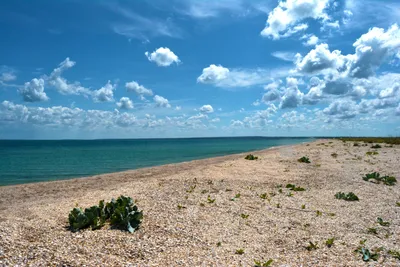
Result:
pixel 202 205
pixel 304 160
pixel 356 144
pixel 122 213
pixel 319 213
pixel 278 205
pixel 219 244
pixel 376 146
pixel 263 264
pixel 312 246
pixel 398 204
pixel 244 216
pixel 204 191
pixel 239 251
pixel 181 207
pixel 369 153
pixel 191 189
pixel 210 182
pixel 235 197
pixel 387 180
pixel 264 196
pixel 280 190
pixel 294 188
pixel 367 255
pixel 289 194
pixel 348 197
pixel 334 155
pixel 329 242
pixel 395 254
pixel 373 231
pixel 381 222
pixel 250 157
pixel 303 207
pixel 210 200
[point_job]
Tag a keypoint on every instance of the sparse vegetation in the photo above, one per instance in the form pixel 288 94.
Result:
pixel 319 213
pixel 311 246
pixel 329 242
pixel 264 196
pixel 210 200
pixel 395 254
pixel 303 207
pixel 251 157
pixel 370 140
pixel 370 153
pixel 294 188
pixel 121 213
pixel 239 251
pixel 373 231
pixel 376 146
pixel 398 204
pixel 219 244
pixel 382 222
pixel 348 197
pixel 304 160
pixel 334 155
pixel 181 207
pixel 191 189
pixel 387 180
pixel 263 264
pixel 356 144
pixel 244 216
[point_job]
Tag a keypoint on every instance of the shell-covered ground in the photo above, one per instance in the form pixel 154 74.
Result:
pixel 182 228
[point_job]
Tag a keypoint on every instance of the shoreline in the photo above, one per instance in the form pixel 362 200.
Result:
pixel 199 161
pixel 182 228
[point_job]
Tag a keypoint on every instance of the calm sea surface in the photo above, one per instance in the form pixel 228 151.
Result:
pixel 33 160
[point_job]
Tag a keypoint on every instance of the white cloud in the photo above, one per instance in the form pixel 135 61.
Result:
pixel 220 76
pixel 140 90
pixel 271 95
pixel 236 124
pixel 178 108
pixel 7 77
pixel 163 57
pixel 283 20
pixel 398 110
pixel 343 109
pixel 104 94
pixel 207 109
pixel 312 40
pixel 33 91
pixel 286 56
pixel 125 103
pixel 292 96
pixel 161 101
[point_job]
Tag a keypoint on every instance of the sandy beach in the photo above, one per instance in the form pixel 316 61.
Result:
pixel 34 217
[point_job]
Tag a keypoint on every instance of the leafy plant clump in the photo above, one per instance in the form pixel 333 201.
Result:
pixel 263 264
pixel 370 153
pixel 294 188
pixel 367 255
pixel 121 213
pixel 376 146
pixel 381 222
pixel 251 157
pixel 395 254
pixel 348 197
pixel 334 155
pixel 210 200
pixel 304 160
pixel 387 180
pixel 239 251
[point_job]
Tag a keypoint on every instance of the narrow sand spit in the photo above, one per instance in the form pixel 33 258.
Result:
pixel 33 217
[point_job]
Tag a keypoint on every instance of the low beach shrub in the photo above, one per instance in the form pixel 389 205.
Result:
pixel 387 180
pixel 210 200
pixel 251 157
pixel 348 197
pixel 382 222
pixel 304 160
pixel 370 153
pixel 312 246
pixel 376 146
pixel 371 140
pixel 121 213
pixel 395 254
pixel 294 188
pixel 334 155
pixel 329 242
pixel 239 251
pixel 367 255
pixel 356 144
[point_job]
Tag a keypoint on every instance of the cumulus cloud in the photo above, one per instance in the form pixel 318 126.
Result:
pixel 161 101
pixel 283 20
pixel 125 103
pixel 236 124
pixel 140 90
pixel 105 93
pixel 7 76
pixel 33 91
pixel 343 109
pixel 206 109
pixel 311 40
pixel 163 57
pixel 220 76
pixel 292 96
pixel 272 95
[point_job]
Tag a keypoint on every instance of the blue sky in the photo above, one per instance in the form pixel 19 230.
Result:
pixel 179 68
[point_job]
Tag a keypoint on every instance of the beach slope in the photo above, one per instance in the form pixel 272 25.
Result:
pixel 182 228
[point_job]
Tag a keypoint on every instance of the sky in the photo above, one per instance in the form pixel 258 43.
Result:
pixel 75 69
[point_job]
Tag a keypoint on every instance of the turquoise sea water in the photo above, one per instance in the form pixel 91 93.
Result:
pixel 25 161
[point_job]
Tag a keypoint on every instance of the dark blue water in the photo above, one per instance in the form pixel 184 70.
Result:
pixel 26 161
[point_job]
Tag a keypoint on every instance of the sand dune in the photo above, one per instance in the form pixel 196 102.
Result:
pixel 33 217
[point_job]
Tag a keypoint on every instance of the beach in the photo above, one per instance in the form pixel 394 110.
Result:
pixel 181 228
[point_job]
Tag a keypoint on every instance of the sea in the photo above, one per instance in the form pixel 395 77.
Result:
pixel 28 161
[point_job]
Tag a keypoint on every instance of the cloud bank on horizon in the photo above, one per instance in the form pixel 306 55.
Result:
pixel 199 68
